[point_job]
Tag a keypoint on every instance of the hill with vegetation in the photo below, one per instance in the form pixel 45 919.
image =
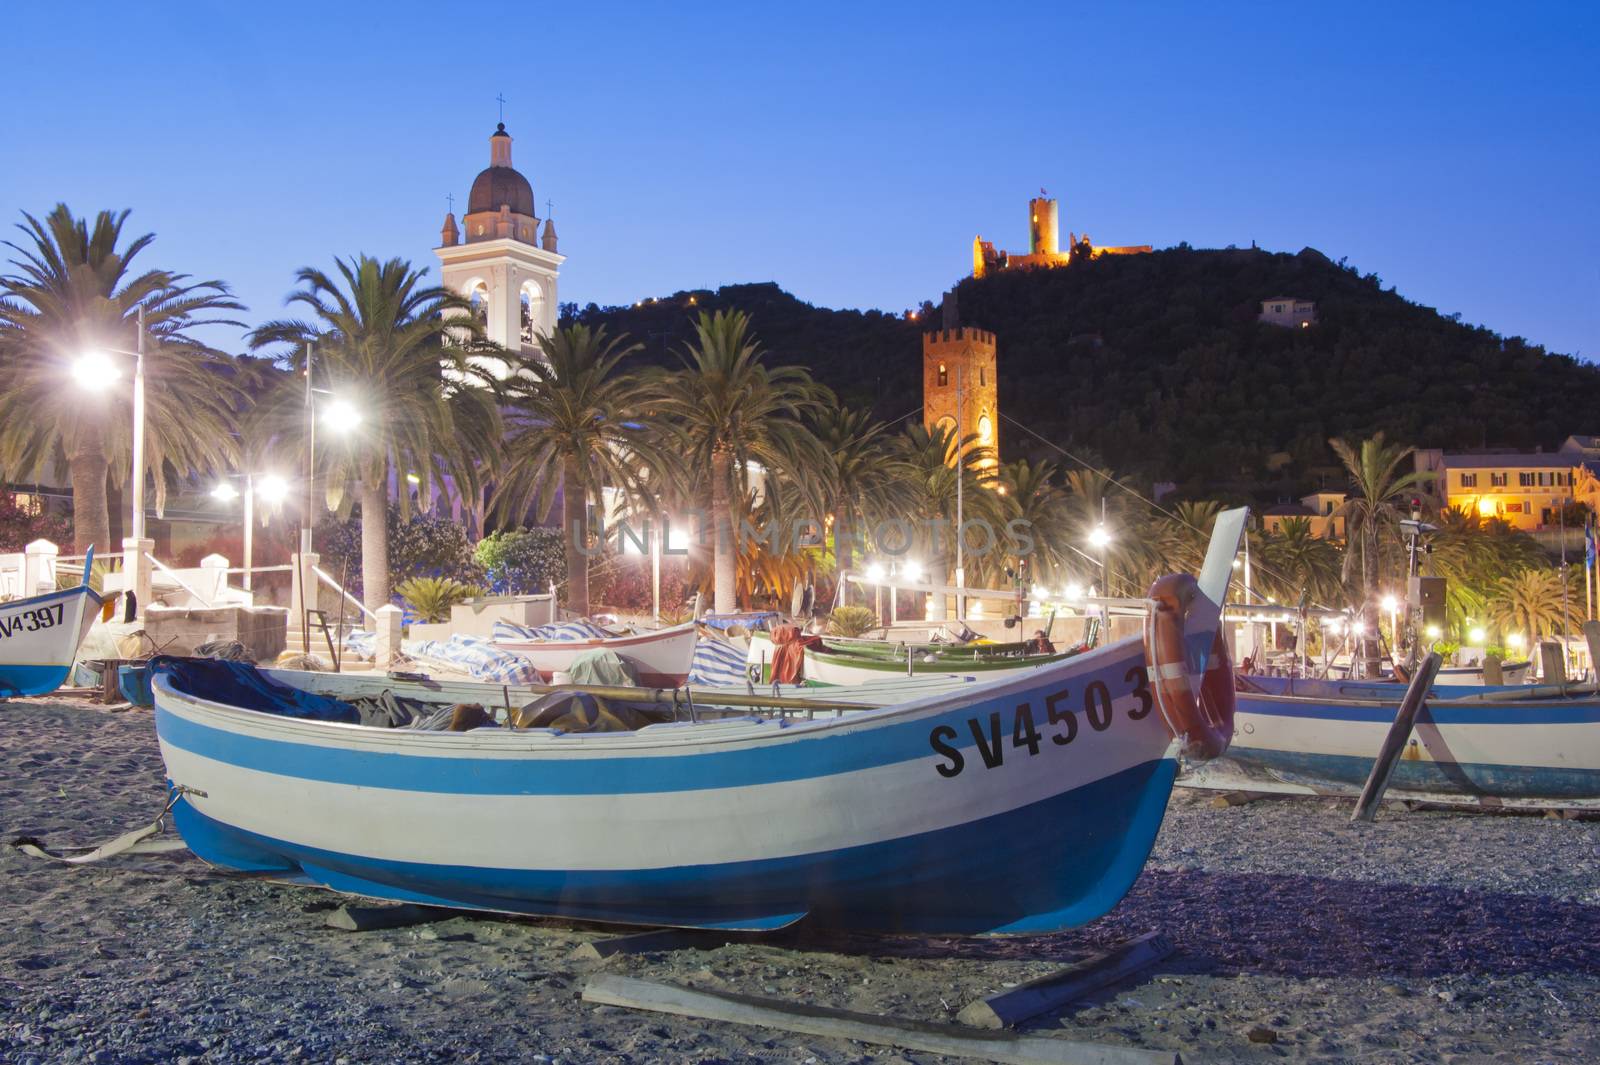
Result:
pixel 1156 365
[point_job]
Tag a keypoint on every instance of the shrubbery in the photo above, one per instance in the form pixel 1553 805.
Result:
pixel 521 561
pixel 425 546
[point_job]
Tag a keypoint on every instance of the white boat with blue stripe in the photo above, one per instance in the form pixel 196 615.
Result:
pixel 1486 751
pixel 40 637
pixel 1028 804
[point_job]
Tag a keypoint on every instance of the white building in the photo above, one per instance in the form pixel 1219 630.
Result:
pixel 1289 312
pixel 506 266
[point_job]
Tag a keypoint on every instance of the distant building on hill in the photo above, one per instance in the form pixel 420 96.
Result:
pixel 1320 509
pixel 959 391
pixel 1044 243
pixel 1288 311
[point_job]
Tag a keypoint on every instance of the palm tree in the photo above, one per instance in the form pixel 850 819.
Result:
pixel 1298 562
pixel 1033 498
pixel 74 290
pixel 1474 554
pixel 862 481
pixel 426 409
pixel 927 463
pixel 1533 601
pixel 575 423
pixel 1377 485
pixel 736 412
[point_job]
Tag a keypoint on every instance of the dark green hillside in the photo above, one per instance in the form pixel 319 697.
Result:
pixel 1157 365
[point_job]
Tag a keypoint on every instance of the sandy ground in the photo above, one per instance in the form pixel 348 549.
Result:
pixel 1430 936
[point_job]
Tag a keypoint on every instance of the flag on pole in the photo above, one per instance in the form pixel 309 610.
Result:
pixel 1588 543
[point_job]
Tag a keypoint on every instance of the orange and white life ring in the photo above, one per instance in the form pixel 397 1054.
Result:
pixel 1203 721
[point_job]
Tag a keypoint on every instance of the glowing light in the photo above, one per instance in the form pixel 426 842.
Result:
pixel 272 488
pixel 1335 625
pixel 1433 632
pixel 911 569
pixel 875 573
pixel 95 371
pixel 1477 635
pixel 412 478
pixel 1391 604
pixel 1515 639
pixel 1100 537
pixel 1238 564
pixel 1357 628
pixel 225 492
pixel 341 415
pixel 1073 591
pixel 1485 506
pixel 1039 591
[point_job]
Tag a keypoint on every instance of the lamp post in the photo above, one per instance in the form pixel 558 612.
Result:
pixel 272 489
pixel 94 371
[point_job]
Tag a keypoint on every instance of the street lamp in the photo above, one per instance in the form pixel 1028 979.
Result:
pixel 1392 606
pixel 96 371
pixel 1100 538
pixel 271 489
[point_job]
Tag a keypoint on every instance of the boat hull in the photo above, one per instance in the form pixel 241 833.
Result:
pixel 936 816
pixel 1535 753
pixel 40 637
pixel 662 659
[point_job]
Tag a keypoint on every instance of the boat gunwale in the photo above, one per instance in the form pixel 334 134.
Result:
pixel 756 730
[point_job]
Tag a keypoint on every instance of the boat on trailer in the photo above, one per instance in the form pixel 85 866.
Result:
pixel 40 636
pixel 1486 750
pixel 1028 803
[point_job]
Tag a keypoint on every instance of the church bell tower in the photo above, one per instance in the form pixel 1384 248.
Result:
pixel 500 257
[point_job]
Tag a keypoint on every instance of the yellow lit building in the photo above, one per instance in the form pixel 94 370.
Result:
pixel 1320 509
pixel 1527 489
pixel 962 358
pixel 1044 243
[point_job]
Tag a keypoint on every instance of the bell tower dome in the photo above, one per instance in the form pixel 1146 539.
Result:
pixel 498 263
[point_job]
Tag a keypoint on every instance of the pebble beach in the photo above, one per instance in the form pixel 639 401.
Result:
pixel 1430 936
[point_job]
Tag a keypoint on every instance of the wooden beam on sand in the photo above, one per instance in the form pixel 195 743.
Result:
pixel 1008 1047
pixel 1010 1008
pixel 662 939
pixel 1394 744
pixel 1240 798
pixel 376 918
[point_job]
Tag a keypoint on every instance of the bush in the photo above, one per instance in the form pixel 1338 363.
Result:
pixel 521 561
pixel 425 546
pixel 430 598
pixel 21 526
pixel 852 620
pixel 623 582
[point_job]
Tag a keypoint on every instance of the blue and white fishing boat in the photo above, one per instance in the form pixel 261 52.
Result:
pixel 1483 751
pixel 1027 804
pixel 40 636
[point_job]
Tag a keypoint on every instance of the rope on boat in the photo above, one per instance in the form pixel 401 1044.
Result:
pixel 135 841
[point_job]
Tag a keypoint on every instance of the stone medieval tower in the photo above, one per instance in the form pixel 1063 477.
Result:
pixel 957 358
pixel 506 266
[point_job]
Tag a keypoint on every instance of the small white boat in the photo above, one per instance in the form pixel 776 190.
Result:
pixel 40 636
pixel 1475 751
pixel 661 659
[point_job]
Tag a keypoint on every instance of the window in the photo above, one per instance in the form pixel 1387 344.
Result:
pixel 1497 480
pixel 1469 480
pixel 1544 480
pixel 944 376
pixel 1525 480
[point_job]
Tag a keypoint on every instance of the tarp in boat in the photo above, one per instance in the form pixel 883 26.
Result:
pixel 241 685
pixel 602 668
pixel 717 663
pixel 566 632
pixel 477 657
pixel 581 712
pixel 753 619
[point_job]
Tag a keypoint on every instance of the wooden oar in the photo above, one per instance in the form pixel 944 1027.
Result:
pixel 1395 742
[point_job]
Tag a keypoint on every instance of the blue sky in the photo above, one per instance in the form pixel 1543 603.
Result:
pixel 849 152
